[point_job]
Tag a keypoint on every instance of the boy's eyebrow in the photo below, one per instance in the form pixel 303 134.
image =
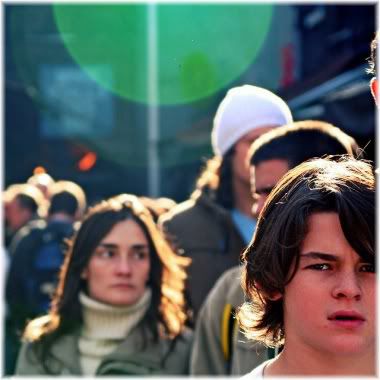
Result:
pixel 320 255
pixel 326 256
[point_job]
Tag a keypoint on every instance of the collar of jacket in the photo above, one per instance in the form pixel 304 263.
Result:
pixel 206 198
pixel 67 353
pixel 130 358
pixel 127 358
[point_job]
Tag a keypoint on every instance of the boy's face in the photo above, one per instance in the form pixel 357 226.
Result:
pixel 329 305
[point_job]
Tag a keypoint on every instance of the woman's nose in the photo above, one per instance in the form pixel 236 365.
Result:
pixel 123 266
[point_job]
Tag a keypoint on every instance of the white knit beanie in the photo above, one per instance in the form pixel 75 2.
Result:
pixel 243 109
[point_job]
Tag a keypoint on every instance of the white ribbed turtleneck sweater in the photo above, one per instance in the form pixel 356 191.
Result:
pixel 105 327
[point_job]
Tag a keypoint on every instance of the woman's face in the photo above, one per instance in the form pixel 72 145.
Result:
pixel 119 268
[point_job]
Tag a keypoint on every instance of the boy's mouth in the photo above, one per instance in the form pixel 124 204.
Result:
pixel 347 319
pixel 346 315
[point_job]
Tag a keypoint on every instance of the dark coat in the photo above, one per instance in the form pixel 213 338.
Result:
pixel 205 232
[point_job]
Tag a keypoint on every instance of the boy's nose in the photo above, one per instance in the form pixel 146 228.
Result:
pixel 347 286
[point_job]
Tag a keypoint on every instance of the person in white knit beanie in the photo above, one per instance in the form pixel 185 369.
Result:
pixel 216 223
pixel 119 307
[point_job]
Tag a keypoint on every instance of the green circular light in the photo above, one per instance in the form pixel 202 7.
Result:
pixel 194 51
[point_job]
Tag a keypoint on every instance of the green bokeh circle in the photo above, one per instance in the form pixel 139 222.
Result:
pixel 200 48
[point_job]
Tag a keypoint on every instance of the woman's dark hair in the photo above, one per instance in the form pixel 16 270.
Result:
pixel 216 177
pixel 343 185
pixel 166 314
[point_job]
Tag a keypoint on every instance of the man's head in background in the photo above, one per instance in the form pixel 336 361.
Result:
pixel 22 202
pixel 281 149
pixel 244 114
pixel 68 201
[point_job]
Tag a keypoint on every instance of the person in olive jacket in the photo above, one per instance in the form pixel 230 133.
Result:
pixel 119 306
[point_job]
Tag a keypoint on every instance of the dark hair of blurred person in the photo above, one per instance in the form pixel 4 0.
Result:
pixel 67 198
pixel 22 203
pixel 274 153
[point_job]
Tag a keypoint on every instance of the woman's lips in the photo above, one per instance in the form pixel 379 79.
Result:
pixel 127 286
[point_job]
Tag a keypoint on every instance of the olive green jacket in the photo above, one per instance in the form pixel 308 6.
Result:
pixel 220 348
pixel 128 359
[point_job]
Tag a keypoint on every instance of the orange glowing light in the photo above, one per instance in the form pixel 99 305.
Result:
pixel 87 162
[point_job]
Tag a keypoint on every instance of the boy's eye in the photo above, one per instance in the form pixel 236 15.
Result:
pixel 321 267
pixel 368 268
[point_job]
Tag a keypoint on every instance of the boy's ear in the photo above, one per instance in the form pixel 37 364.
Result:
pixel 274 296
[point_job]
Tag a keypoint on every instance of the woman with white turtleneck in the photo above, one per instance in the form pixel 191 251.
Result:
pixel 119 304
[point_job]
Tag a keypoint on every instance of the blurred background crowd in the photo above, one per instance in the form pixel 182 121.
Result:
pixel 135 113
pixel 102 100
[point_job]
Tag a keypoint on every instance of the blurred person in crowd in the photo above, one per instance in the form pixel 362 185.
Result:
pixel 37 252
pixel 309 272
pixel 119 304
pixel 216 223
pixel 43 181
pixel 372 68
pixel 22 203
pixel 219 347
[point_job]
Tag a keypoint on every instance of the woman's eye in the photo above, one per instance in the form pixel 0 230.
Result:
pixel 321 267
pixel 368 268
pixel 140 255
pixel 105 254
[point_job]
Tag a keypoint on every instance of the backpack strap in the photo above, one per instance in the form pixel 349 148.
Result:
pixel 228 329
